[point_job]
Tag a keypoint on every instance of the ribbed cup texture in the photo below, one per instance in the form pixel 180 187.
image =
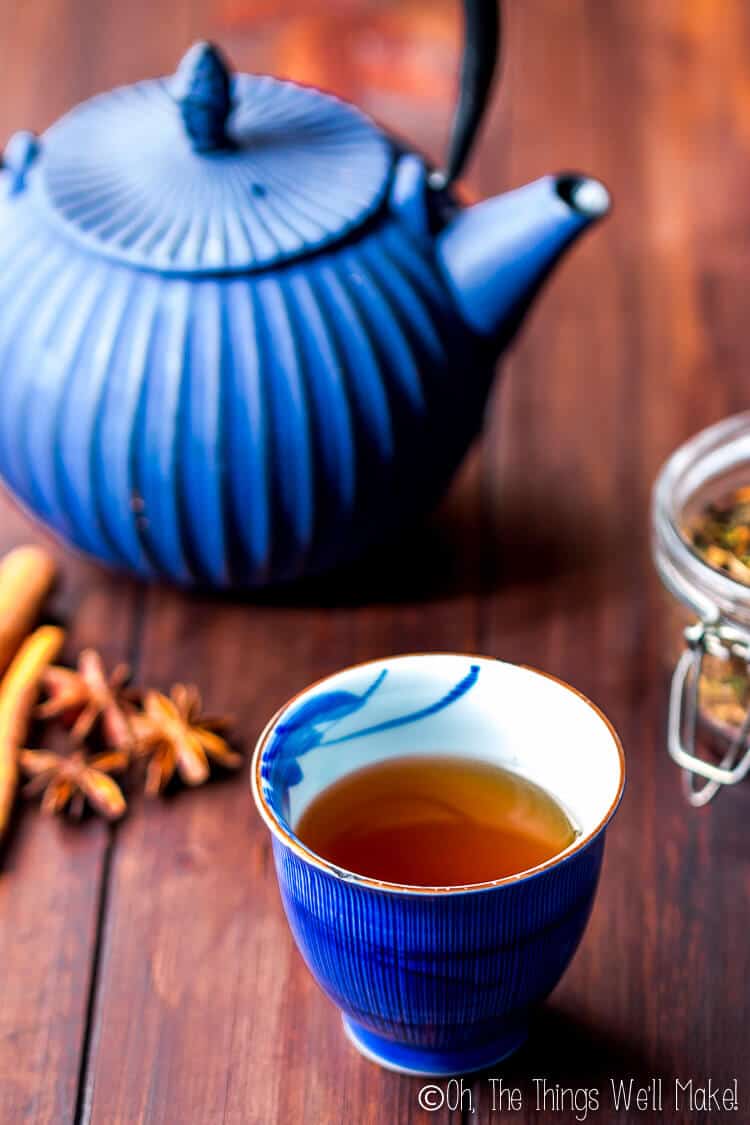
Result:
pixel 441 971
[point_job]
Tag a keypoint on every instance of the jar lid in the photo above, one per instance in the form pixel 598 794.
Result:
pixel 709 464
pixel 212 172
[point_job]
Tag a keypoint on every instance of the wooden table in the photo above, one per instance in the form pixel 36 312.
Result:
pixel 148 973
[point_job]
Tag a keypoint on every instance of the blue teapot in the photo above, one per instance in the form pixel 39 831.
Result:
pixel 244 333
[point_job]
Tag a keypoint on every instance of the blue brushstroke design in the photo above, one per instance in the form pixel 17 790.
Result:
pixel 309 727
pixel 388 724
pixel 329 705
pixel 301 732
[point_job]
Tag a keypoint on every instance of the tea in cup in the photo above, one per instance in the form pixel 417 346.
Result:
pixel 438 827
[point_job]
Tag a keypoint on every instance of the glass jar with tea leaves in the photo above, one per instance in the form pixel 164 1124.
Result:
pixel 701 545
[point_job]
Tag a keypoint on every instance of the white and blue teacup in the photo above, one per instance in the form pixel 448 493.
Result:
pixel 438 980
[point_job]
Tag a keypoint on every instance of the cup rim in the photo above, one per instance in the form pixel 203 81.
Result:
pixel 295 844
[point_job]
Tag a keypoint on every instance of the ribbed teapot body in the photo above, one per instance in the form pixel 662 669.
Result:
pixel 230 430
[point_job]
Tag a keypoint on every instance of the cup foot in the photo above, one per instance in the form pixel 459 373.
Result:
pixel 405 1058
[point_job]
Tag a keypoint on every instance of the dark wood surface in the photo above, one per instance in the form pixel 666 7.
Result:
pixel 148 973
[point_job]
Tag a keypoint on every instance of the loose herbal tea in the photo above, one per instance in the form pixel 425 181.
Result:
pixel 435 821
pixel 720 533
pixel 724 690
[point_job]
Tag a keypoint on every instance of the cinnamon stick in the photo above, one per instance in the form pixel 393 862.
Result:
pixel 18 691
pixel 26 576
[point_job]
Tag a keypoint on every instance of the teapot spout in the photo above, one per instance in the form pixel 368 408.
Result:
pixel 497 254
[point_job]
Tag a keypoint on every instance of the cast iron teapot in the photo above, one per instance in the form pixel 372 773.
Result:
pixel 244 333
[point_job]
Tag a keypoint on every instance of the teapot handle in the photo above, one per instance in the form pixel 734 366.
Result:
pixel 481 47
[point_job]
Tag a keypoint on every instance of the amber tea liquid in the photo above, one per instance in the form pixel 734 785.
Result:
pixel 435 821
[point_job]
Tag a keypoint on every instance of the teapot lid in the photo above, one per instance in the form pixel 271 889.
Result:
pixel 209 172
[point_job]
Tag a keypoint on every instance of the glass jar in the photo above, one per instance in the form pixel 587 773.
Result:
pixel 709 705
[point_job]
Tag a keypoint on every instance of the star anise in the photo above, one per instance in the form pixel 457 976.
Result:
pixel 71 780
pixel 176 737
pixel 89 695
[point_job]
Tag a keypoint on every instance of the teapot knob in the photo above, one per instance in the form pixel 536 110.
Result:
pixel 20 153
pixel 202 88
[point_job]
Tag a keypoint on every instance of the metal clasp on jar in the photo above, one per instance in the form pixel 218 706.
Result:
pixel 723 641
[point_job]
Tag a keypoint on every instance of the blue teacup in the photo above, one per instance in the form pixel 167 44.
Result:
pixel 438 980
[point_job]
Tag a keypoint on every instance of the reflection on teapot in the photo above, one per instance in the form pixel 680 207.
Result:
pixel 244 333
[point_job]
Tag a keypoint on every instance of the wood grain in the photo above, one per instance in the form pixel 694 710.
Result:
pixel 52 878
pixel 52 875
pixel 152 978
